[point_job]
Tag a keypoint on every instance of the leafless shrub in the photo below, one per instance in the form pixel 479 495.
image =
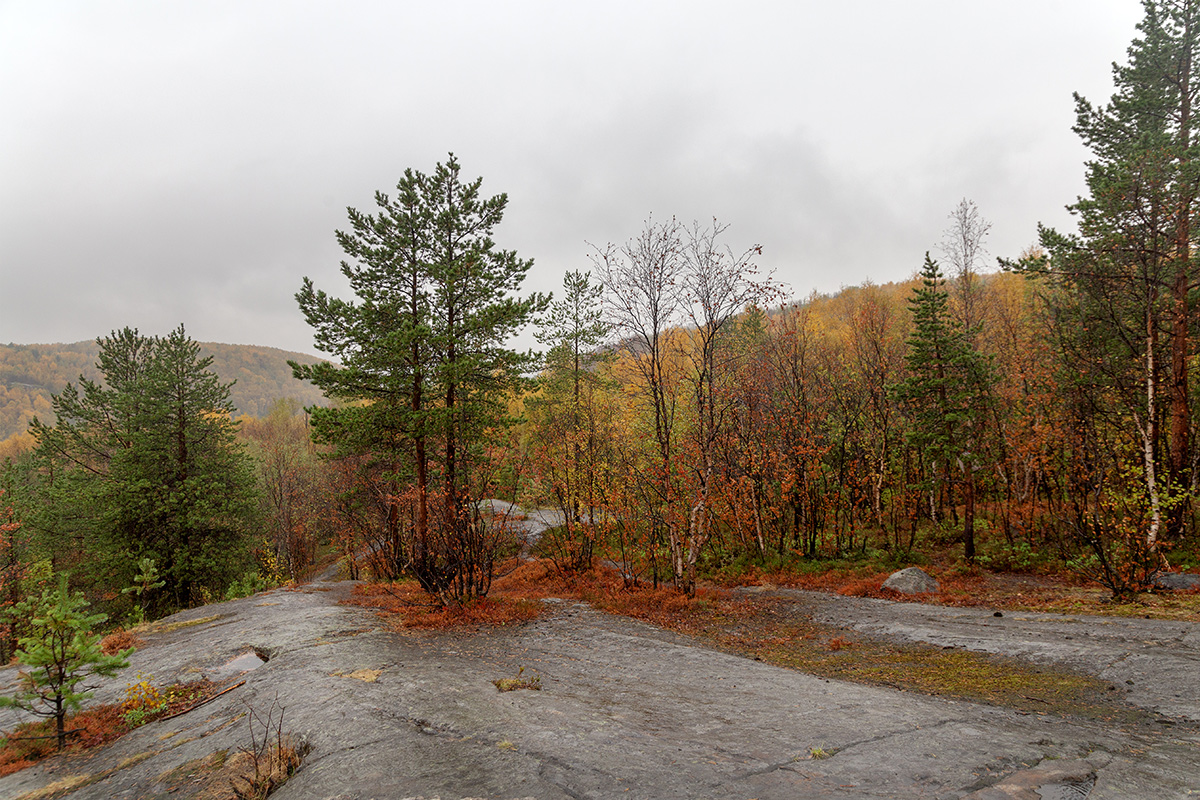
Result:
pixel 272 756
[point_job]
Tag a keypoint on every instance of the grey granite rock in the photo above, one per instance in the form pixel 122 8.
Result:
pixel 1177 581
pixel 913 580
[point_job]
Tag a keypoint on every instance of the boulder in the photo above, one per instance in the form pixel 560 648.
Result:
pixel 1176 581
pixel 913 580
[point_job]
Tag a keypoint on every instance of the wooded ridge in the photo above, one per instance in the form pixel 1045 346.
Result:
pixel 31 373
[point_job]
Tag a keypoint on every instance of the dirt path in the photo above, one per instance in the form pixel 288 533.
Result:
pixel 625 710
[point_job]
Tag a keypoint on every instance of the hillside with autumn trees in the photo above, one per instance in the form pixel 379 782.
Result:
pixel 30 374
pixel 686 422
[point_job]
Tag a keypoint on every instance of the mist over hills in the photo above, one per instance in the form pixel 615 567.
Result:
pixel 31 373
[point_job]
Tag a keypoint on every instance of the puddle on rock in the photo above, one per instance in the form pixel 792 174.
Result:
pixel 251 659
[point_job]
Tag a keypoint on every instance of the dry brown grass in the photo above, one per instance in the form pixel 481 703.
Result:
pixel 863 587
pixel 119 640
pixel 160 626
pixel 254 775
pixel 839 643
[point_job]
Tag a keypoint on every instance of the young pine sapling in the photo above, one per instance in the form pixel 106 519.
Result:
pixel 61 652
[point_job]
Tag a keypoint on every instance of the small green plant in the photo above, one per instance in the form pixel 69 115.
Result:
pixel 819 752
pixel 145 581
pixel 142 701
pixel 518 682
pixel 184 693
pixel 62 652
pixel 1019 556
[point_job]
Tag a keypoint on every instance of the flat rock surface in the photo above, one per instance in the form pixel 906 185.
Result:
pixel 625 710
pixel 1157 662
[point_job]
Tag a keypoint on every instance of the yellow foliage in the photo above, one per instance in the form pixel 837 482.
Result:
pixel 142 699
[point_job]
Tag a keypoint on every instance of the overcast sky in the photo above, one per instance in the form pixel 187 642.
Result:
pixel 189 162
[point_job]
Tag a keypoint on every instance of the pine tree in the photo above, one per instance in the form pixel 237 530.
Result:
pixel 945 395
pixel 424 356
pixel 566 426
pixel 61 652
pixel 1125 280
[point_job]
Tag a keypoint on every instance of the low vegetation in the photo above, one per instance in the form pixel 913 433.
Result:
pixel 518 681
pixel 270 758
pixel 100 724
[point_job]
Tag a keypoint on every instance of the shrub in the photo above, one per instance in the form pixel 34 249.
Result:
pixel 118 641
pixel 248 584
pixel 1114 549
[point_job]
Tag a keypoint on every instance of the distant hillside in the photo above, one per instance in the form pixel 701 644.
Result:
pixel 31 373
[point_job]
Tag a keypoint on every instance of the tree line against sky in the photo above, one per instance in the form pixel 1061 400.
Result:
pixel 684 418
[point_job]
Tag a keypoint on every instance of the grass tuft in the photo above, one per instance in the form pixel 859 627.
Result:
pixel 518 682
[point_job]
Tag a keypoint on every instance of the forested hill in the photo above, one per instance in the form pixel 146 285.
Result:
pixel 31 373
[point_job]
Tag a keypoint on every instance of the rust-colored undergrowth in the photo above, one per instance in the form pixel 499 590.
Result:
pixel 93 726
pixel 515 596
pixel 407 605
pixel 776 629
pixel 33 741
pixel 521 583
pixel 1059 591
pixel 120 640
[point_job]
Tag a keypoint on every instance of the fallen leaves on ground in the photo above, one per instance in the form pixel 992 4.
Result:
pixel 777 631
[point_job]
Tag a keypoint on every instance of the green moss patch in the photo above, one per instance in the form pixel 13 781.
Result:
pixel 780 636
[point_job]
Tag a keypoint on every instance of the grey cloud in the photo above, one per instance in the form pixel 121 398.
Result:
pixel 168 163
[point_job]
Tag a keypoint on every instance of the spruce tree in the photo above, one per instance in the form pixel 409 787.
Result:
pixel 946 395
pixel 147 465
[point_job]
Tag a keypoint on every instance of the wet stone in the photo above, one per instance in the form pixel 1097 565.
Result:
pixel 913 580
pixel 247 661
pixel 1177 581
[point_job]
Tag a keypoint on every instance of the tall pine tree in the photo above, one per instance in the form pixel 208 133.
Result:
pixel 567 428
pixel 425 362
pixel 1127 277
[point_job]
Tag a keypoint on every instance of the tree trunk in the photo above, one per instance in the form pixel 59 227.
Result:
pixel 60 716
pixel 969 516
pixel 1180 411
pixel 1149 432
